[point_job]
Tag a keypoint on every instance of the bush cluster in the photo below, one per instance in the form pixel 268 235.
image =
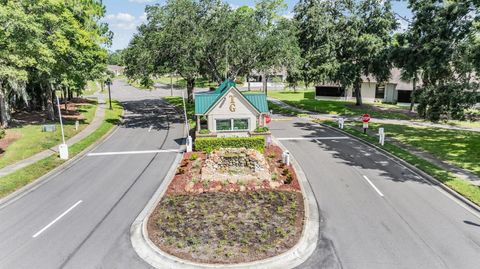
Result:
pixel 261 129
pixel 210 144
pixel 2 133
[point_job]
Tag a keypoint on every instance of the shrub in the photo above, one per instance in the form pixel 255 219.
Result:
pixel 204 131
pixel 2 133
pixel 210 144
pixel 261 129
pixel 289 178
pixel 194 156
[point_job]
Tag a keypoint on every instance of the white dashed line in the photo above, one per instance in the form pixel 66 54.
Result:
pixel 373 186
pixel 57 219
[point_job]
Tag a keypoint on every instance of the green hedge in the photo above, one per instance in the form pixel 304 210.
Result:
pixel 2 133
pixel 209 144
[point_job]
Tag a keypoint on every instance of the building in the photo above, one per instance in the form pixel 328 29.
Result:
pixel 229 112
pixel 116 69
pixel 395 90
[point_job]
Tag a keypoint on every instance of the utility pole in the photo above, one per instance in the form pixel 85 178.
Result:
pixel 63 148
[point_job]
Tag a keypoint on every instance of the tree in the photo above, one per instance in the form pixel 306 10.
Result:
pixel 345 40
pixel 447 59
pixel 406 55
pixel 48 45
pixel 208 38
pixel 115 58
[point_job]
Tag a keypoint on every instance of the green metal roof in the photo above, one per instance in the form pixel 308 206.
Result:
pixel 259 101
pixel 204 101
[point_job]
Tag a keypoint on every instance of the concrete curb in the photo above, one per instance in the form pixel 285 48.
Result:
pixel 291 258
pixel 413 169
pixel 14 196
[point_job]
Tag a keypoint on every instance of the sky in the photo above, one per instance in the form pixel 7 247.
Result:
pixel 123 16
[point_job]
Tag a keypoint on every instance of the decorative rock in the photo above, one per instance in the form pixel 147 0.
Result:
pixel 242 188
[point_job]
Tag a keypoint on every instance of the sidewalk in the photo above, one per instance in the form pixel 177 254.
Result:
pixel 374 120
pixel 96 122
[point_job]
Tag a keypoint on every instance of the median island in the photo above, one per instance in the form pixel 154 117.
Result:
pixel 232 204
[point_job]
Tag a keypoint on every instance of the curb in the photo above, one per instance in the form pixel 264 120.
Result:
pixel 295 256
pixel 413 169
pixel 14 196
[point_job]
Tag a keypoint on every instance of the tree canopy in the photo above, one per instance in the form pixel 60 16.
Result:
pixel 48 45
pixel 209 38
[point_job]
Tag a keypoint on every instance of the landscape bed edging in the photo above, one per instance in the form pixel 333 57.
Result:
pixel 293 257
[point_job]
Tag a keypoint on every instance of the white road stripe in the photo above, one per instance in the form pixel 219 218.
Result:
pixel 374 187
pixel 314 138
pixel 57 219
pixel 132 152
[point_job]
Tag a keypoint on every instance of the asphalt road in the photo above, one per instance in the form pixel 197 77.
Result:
pixel 96 199
pixel 375 213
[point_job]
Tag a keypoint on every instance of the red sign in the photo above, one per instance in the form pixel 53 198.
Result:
pixel 366 118
pixel 268 119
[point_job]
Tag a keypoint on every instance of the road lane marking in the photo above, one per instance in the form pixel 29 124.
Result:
pixel 132 152
pixel 314 138
pixel 373 186
pixel 57 219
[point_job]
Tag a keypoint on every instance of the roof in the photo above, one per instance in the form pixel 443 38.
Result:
pixel 205 101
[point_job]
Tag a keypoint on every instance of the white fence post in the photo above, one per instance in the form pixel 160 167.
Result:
pixel 381 136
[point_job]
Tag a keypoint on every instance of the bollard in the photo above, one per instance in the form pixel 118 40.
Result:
pixel 77 124
pixel 381 136
pixel 286 157
pixel 189 144
pixel 63 150
pixel 341 121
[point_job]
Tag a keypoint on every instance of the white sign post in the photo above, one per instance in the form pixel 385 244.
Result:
pixel 62 148
pixel 286 157
pixel 341 121
pixel 381 136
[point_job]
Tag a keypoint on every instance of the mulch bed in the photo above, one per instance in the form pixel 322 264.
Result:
pixel 40 117
pixel 9 138
pixel 227 227
pixel 221 222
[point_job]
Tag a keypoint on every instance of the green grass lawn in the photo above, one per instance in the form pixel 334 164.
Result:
pixel 178 103
pixel 32 140
pixel 92 87
pixel 461 186
pixel 461 148
pixel 306 100
pixel 22 177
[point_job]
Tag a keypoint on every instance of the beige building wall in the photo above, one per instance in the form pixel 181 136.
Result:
pixel 223 110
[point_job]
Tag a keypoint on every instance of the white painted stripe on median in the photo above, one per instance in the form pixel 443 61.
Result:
pixel 57 219
pixel 373 186
pixel 132 152
pixel 315 138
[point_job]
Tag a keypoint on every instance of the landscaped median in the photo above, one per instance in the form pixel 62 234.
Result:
pixel 24 176
pixel 231 204
pixel 450 145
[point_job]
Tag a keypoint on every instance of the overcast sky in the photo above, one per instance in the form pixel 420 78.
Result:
pixel 124 16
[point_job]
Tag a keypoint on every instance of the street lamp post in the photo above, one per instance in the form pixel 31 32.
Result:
pixel 109 82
